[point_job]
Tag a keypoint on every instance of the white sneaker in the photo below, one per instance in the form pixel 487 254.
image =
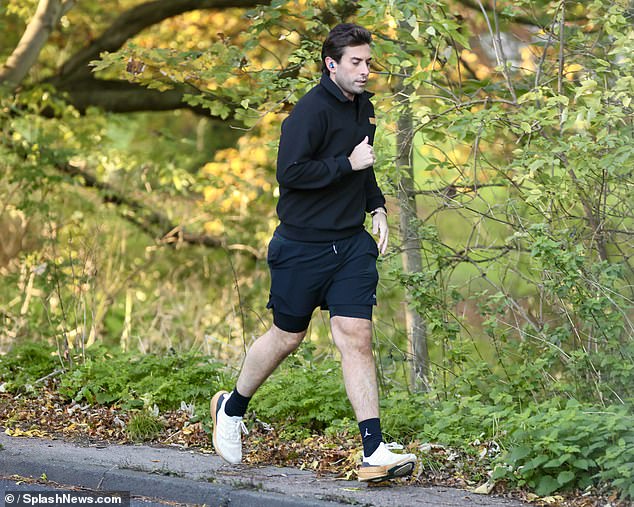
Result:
pixel 227 435
pixel 384 464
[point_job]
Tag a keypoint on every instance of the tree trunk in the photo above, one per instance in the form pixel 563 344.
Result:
pixel 46 17
pixel 412 261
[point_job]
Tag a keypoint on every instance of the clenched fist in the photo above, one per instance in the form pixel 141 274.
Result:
pixel 362 156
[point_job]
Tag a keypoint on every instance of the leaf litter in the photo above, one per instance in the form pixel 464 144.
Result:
pixel 51 416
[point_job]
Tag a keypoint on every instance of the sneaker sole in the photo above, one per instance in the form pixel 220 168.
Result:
pixel 385 472
pixel 213 408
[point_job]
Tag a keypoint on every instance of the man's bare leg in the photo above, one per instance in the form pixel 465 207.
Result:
pixel 264 356
pixel 353 338
pixel 266 353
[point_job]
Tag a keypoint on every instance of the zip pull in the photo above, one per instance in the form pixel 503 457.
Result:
pixel 334 248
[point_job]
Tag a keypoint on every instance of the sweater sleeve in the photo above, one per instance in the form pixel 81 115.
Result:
pixel 374 197
pixel 297 168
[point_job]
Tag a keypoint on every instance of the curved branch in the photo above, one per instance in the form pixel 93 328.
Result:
pixel 123 97
pixel 133 21
pixel 153 223
pixel 24 56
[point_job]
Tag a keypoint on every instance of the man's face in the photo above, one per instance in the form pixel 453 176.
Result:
pixel 351 73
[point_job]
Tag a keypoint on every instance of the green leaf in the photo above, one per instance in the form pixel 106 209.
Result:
pixel 546 485
pixel 499 472
pixel 558 461
pixel 535 463
pixel 517 454
pixel 583 464
pixel 565 477
pixel 527 97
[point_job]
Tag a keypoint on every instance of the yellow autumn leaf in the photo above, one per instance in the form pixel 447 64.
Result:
pixel 17 432
pixel 484 489
pixel 551 500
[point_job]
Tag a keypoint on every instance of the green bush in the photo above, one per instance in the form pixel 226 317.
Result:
pixel 550 442
pixel 309 396
pixel 26 363
pixel 135 381
pixel 558 445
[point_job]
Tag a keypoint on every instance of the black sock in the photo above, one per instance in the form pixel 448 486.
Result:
pixel 237 404
pixel 371 435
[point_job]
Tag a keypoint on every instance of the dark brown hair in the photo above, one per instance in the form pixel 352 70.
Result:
pixel 340 37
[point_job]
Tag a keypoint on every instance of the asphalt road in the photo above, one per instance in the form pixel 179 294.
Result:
pixel 186 477
pixel 168 496
pixel 23 487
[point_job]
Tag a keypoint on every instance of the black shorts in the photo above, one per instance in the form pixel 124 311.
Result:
pixel 339 276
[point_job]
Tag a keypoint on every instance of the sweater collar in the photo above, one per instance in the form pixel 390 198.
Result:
pixel 334 90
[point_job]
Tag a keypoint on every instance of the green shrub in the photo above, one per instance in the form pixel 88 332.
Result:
pixel 26 363
pixel 309 396
pixel 554 445
pixel 135 381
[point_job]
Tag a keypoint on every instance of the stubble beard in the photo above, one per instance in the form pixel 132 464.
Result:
pixel 353 87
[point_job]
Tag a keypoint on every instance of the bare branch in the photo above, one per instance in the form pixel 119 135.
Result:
pixel 152 222
pixel 499 51
pixel 560 74
pixel 451 191
pixel 24 56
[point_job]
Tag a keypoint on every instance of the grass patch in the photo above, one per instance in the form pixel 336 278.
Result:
pixel 144 427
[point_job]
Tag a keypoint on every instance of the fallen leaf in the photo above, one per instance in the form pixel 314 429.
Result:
pixel 550 500
pixel 484 489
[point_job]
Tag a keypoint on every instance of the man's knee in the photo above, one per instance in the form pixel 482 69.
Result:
pixel 352 334
pixel 288 341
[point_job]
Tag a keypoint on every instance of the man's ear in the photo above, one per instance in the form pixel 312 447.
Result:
pixel 330 63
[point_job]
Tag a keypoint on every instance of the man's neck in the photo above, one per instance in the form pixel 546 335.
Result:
pixel 348 95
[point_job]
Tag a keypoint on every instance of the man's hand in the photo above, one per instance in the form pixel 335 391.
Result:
pixel 379 225
pixel 362 156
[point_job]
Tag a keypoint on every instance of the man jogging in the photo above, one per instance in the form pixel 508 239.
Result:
pixel 320 254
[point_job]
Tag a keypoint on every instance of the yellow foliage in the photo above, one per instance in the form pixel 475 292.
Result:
pixel 528 59
pixel 195 30
pixel 237 176
pixel 211 194
pixel 214 227
pixel 482 71
pixel 469 56
pixel 435 65
pixel 571 69
pixel 472 59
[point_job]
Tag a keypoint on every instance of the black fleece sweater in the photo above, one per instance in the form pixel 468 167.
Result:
pixel 321 197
